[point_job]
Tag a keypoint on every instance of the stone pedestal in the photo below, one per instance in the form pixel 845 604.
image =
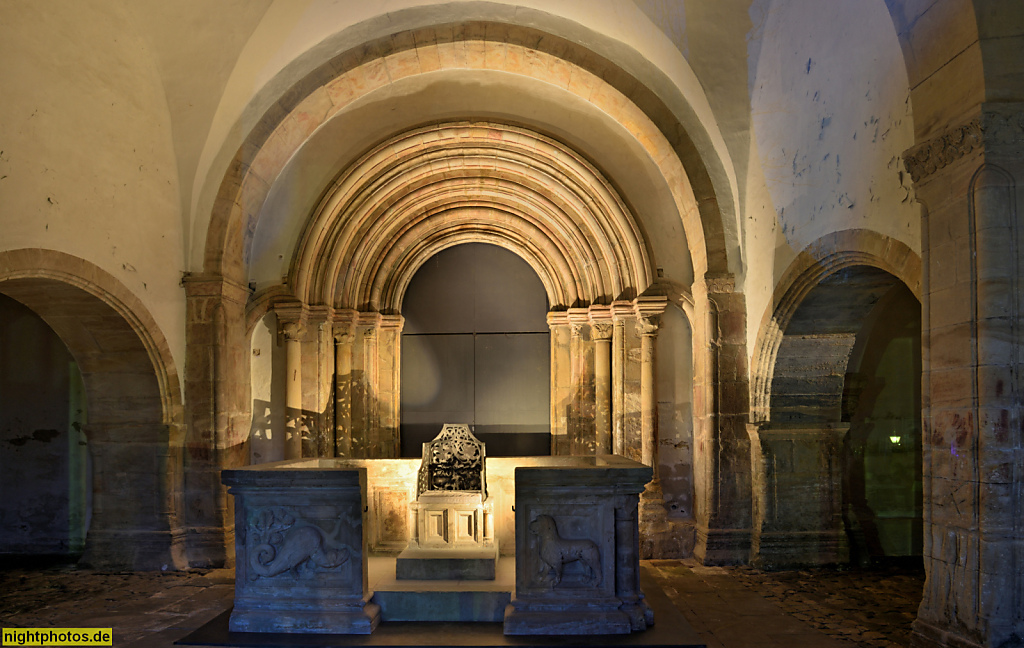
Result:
pixel 299 546
pixel 577 548
pixel 798 508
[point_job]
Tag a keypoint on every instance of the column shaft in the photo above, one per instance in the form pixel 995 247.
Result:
pixel 293 390
pixel 343 394
pixel 602 388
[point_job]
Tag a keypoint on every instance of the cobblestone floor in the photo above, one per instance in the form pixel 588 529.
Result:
pixel 730 607
pixel 740 606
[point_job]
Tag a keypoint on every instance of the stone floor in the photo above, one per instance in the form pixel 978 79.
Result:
pixel 730 607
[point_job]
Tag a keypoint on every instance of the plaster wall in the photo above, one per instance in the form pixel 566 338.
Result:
pixel 829 162
pixel 87 163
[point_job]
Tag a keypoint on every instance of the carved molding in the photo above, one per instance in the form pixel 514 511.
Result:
pixel 720 283
pixel 1003 125
pixel 928 157
pixel 996 126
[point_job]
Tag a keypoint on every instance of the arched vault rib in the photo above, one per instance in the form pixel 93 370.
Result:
pixel 469 181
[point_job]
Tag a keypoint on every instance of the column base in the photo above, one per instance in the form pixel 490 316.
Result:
pixel 210 547
pixel 722 546
pixel 142 550
pixel 926 635
pixel 792 549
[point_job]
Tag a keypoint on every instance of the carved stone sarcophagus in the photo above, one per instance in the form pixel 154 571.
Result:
pixel 577 548
pixel 300 557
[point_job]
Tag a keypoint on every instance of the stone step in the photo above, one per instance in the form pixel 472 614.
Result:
pixel 442 606
pixel 441 600
pixel 446 564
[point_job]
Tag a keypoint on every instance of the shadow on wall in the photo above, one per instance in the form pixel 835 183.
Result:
pixel 44 461
pixel 323 434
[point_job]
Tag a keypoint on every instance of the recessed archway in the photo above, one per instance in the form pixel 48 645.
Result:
pixel 134 429
pixel 476 350
pixel 798 425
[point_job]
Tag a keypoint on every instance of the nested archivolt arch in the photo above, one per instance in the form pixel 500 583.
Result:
pixel 344 85
pixel 430 187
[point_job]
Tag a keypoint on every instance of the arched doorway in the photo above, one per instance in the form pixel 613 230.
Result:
pixel 133 432
pixel 44 463
pixel 882 451
pixel 828 326
pixel 476 350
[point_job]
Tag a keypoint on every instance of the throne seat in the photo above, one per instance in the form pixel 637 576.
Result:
pixel 453 518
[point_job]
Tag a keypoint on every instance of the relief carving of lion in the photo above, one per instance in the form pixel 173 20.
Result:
pixel 556 551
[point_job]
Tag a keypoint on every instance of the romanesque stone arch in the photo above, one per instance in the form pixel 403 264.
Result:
pixel 134 428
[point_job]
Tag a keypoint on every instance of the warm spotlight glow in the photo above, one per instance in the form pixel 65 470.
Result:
pixel 895 439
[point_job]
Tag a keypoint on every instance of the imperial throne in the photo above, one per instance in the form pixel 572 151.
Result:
pixel 452 530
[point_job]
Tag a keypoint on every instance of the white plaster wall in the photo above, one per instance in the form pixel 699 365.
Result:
pixel 87 164
pixel 831 118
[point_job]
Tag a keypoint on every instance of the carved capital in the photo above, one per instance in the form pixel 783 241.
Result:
pixel 1003 124
pixel 720 283
pixel 578 318
pixel 648 325
pixel 602 330
pixel 292 330
pixel 344 331
pixel 928 157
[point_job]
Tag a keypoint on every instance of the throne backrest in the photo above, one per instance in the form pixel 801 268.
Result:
pixel 453 461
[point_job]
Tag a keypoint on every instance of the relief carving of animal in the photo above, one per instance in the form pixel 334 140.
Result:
pixel 285 547
pixel 555 551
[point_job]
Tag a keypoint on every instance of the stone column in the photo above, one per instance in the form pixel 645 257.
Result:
pixel 389 373
pixel 973 480
pixel 318 384
pixel 344 336
pixel 581 410
pixel 218 412
pixel 561 392
pixel 722 467
pixel 647 327
pixel 653 516
pixel 292 331
pixel 621 311
pixel 601 331
pixel 366 443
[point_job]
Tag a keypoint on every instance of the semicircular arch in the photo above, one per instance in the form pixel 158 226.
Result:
pixel 822 259
pixel 480 181
pixel 328 91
